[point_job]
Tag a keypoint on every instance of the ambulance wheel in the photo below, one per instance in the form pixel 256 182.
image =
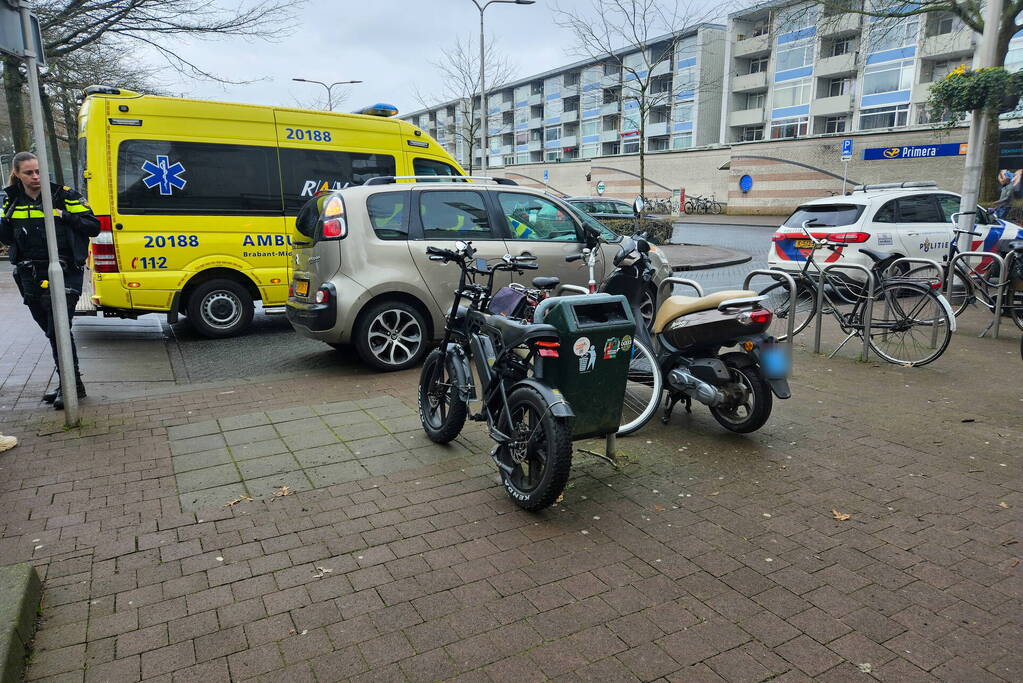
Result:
pixel 220 308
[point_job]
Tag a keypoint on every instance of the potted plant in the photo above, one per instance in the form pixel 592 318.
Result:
pixel 965 90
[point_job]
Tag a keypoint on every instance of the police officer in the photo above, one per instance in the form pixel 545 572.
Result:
pixel 21 228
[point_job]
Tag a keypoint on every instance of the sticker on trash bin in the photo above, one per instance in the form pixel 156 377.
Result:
pixel 581 346
pixel 612 347
pixel 626 343
pixel 588 360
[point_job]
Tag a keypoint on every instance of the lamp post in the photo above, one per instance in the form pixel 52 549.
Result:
pixel 480 5
pixel 330 98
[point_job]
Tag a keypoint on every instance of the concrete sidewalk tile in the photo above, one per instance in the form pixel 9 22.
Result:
pixel 347 418
pixel 270 465
pixel 306 424
pixel 359 430
pixel 258 449
pixel 207 477
pixel 310 439
pixel 266 487
pixel 248 435
pixel 243 421
pixel 337 473
pixel 196 444
pixel 200 460
pixel 288 414
pixel 212 498
pixel 324 455
pixel 377 445
pixel 336 407
pixel 192 429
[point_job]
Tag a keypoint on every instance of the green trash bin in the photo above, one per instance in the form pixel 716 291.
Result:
pixel 596 334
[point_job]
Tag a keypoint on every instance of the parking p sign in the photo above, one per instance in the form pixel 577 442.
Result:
pixel 847 149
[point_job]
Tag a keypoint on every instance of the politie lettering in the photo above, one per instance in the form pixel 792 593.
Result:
pixel 266 240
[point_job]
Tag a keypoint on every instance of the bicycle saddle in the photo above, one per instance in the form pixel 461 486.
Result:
pixel 875 255
pixel 546 282
pixel 514 332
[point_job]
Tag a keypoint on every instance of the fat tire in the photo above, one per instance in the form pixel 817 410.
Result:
pixel 763 401
pixel 804 292
pixel 450 425
pixel 658 390
pixel 204 290
pixel 558 438
pixel 362 329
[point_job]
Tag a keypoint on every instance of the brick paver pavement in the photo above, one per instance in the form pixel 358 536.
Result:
pixel 707 556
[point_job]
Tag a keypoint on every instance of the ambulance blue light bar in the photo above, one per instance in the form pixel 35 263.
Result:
pixel 378 109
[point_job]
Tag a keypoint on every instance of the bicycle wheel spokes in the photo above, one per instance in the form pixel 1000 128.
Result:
pixel 909 326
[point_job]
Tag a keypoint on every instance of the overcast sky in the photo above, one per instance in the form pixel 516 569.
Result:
pixel 388 44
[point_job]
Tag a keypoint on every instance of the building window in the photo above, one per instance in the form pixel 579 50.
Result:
pixel 884 117
pixel 888 77
pixel 834 124
pixel 789 128
pixel 683 112
pixel 794 55
pixel 552 133
pixel 760 30
pixel 792 93
pixel 572 78
pixel 522 158
pixel 839 86
pixel 630 145
pixel 750 133
pixel 841 47
pixel 944 23
pixel 942 69
pixel 755 100
pixel 658 144
pixel 685 78
pixel 553 155
pixel 589 151
pixel 796 17
pixel 683 141
pixel 757 65
pixel 612 68
pixel 888 34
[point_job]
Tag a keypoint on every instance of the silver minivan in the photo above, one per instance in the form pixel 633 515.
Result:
pixel 361 274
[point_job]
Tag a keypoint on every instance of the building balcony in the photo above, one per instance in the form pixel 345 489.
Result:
pixel 835 66
pixel 611 81
pixel 831 106
pixel 654 129
pixel 610 136
pixel 838 25
pixel 947 45
pixel 752 47
pixel 745 82
pixel 534 145
pixel 569 116
pixel 661 68
pixel 921 91
pixel 747 117
pixel 610 108
pixel 536 123
pixel 568 141
pixel 536 99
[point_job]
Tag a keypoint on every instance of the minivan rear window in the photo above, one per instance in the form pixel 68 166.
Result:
pixel 825 215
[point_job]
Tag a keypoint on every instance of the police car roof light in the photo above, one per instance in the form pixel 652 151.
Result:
pixel 907 185
pixel 378 109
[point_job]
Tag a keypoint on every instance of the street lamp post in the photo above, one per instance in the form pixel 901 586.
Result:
pixel 480 5
pixel 330 97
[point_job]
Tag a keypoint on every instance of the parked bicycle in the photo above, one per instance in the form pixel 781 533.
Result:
pixel 529 421
pixel 966 284
pixel 911 323
pixel 703 205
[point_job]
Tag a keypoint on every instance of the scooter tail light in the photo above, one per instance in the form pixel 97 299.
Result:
pixel 761 316
pixel 548 349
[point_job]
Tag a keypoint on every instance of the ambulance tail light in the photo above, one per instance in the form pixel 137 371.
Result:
pixel 104 257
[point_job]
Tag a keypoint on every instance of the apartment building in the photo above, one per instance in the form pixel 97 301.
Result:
pixel 800 69
pixel 591 108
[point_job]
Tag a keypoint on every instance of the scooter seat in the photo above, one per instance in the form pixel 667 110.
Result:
pixel 674 306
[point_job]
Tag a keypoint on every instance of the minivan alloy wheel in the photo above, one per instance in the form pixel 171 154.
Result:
pixel 395 336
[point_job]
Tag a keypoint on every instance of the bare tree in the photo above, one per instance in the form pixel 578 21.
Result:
pixel 632 38
pixel 460 75
pixel 71 25
pixel 971 15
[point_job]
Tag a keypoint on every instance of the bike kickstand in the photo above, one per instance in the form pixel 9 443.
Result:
pixel 669 407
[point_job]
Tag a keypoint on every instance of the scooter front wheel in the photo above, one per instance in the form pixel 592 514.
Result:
pixel 749 400
pixel 441 410
pixel 643 389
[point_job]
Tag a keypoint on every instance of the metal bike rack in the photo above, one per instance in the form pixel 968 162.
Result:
pixel 937 269
pixel 676 281
pixel 1003 275
pixel 778 275
pixel 569 290
pixel 867 311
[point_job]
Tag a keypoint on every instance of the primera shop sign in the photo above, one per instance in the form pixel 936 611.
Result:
pixel 953 149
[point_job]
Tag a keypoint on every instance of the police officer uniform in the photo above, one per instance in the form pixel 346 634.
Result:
pixel 22 229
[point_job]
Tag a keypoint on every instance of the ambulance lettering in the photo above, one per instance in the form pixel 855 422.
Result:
pixel 266 240
pixel 311 187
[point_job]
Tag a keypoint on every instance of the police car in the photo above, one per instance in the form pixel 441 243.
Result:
pixel 909 219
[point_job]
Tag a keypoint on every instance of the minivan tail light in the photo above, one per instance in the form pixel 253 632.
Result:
pixel 335 228
pixel 104 256
pixel 850 237
pixel 322 295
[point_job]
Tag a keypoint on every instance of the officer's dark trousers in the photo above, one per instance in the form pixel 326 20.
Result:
pixel 42 313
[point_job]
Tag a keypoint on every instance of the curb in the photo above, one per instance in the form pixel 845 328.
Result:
pixel 709 265
pixel 20 592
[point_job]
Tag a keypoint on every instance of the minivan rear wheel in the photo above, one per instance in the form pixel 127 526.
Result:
pixel 220 308
pixel 391 335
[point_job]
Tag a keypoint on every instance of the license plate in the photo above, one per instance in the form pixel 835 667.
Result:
pixel 774 362
pixel 804 244
pixel 301 287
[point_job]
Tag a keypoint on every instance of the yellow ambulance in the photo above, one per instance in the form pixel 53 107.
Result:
pixel 197 199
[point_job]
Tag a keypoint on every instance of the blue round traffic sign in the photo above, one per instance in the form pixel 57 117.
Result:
pixel 745 183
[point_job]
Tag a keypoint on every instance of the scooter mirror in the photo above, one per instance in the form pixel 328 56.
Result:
pixel 643 246
pixel 638 205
